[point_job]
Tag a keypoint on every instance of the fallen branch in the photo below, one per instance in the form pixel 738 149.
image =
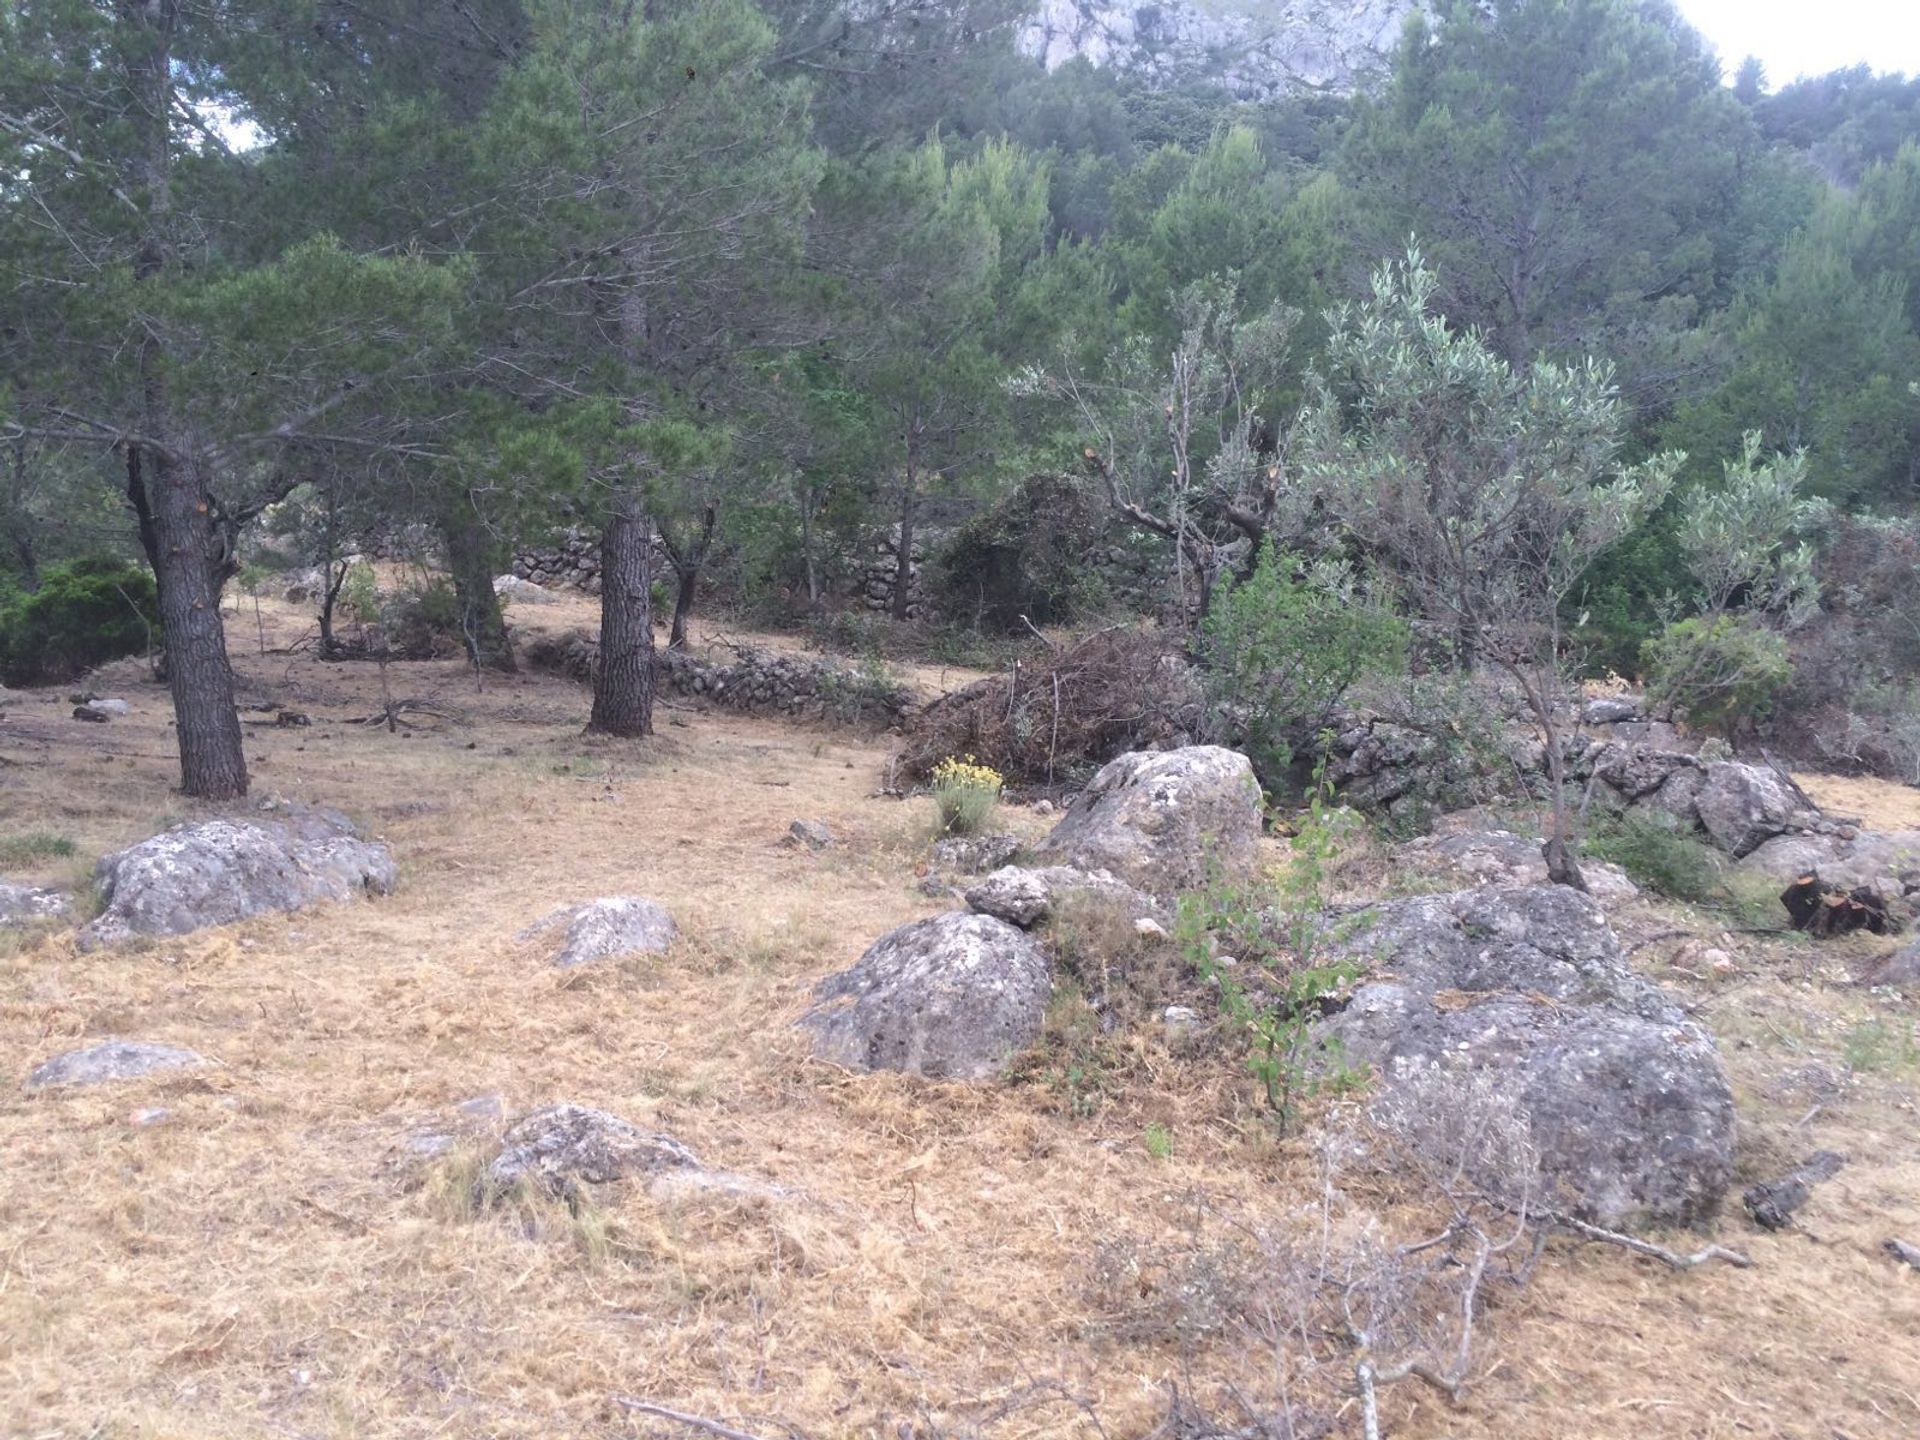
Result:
pixel 1652 1251
pixel 680 1417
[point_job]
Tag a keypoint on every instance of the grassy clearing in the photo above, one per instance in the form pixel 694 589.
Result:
pixel 22 852
pixel 278 1256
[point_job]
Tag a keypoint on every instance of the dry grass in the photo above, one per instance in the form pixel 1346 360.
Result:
pixel 278 1257
pixel 1882 804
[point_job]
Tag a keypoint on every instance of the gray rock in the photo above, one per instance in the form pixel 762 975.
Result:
pixel 562 1147
pixel 1164 821
pixel 1626 1098
pixel 606 929
pixel 1029 897
pixel 1503 858
pixel 102 709
pixel 1610 710
pixel 522 592
pixel 809 835
pixel 1902 969
pixel 111 1060
pixel 1637 770
pixel 954 997
pixel 29 904
pixel 1743 806
pixel 218 871
pixel 974 854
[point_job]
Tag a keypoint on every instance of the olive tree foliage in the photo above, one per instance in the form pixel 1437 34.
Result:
pixel 1484 491
pixel 1756 584
pixel 1187 444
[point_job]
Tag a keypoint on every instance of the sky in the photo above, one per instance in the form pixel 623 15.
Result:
pixel 1810 37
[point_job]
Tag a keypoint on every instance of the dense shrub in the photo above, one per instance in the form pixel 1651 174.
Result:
pixel 1660 857
pixel 1282 647
pixel 85 613
pixel 1718 671
pixel 1027 555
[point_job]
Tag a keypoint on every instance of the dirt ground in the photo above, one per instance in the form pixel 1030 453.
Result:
pixel 280 1255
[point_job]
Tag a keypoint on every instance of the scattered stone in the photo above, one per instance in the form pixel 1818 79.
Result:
pixel 30 904
pixel 1772 1202
pixel 975 854
pixel 1506 859
pixel 1900 968
pixel 483 1107
pixel 1179 1023
pixel 561 1147
pixel 606 929
pixel 1628 1103
pixel 1610 710
pixel 111 1060
pixel 1164 821
pixel 1903 1252
pixel 1028 897
pixel 87 712
pixel 1742 807
pixel 1150 928
pixel 1043 807
pixel 522 592
pixel 809 835
pixel 152 1115
pixel 218 871
pixel 954 997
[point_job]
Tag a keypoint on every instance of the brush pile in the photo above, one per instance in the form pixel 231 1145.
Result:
pixel 1056 720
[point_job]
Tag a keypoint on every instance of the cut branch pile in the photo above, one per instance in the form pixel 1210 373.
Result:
pixel 1057 720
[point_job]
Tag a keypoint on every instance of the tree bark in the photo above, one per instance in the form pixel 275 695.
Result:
pixel 212 762
pixel 688 559
pixel 472 557
pixel 623 683
pixel 903 554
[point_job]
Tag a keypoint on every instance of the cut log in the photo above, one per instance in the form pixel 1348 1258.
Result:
pixel 1822 910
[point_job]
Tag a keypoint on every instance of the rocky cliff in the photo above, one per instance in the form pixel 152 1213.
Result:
pixel 1254 48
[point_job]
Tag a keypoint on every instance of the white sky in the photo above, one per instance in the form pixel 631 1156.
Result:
pixel 1810 37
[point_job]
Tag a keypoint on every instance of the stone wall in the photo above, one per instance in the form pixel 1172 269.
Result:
pixel 745 678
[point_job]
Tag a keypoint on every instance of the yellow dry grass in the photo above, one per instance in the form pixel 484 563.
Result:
pixel 276 1256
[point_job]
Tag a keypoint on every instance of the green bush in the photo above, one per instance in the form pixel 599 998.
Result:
pixel 1282 647
pixel 85 613
pixel 1658 856
pixel 1717 671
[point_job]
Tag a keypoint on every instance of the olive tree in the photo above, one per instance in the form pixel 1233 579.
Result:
pixel 1486 492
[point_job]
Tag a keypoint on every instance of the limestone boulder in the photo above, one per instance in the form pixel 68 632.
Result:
pixel 111 1060
pixel 215 872
pixel 1626 1098
pixel 1163 821
pixel 1028 898
pixel 954 997
pixel 1506 859
pixel 30 905
pixel 605 929
pixel 1741 807
pixel 563 1147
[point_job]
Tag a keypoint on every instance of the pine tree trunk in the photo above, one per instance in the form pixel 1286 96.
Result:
pixel 212 763
pixel 903 556
pixel 473 558
pixel 623 683
pixel 683 597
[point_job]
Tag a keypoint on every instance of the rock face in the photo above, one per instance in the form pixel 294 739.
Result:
pixel 563 1147
pixel 1029 897
pixel 954 997
pixel 29 904
pixel 1744 806
pixel 219 871
pixel 1164 821
pixel 1252 49
pixel 1627 1100
pixel 606 929
pixel 111 1060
